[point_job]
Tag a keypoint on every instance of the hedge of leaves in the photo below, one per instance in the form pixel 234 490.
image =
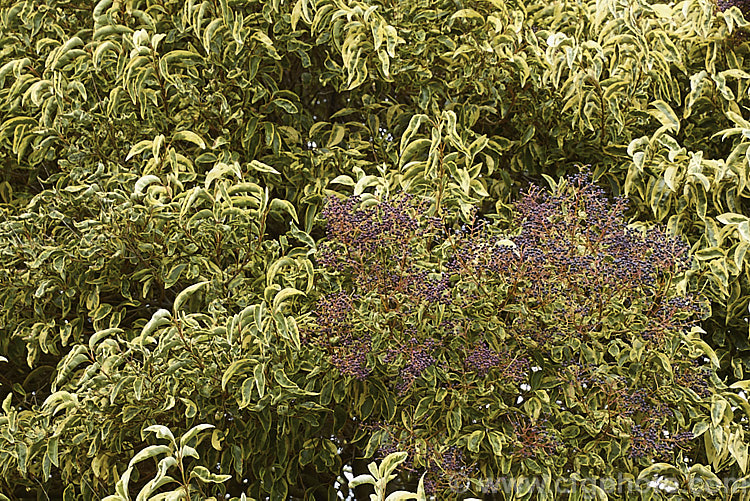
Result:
pixel 167 235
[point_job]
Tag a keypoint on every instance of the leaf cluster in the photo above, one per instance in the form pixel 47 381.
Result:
pixel 163 169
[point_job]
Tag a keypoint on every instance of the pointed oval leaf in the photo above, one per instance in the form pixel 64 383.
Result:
pixel 193 432
pixel 161 431
pixel 202 474
pixel 149 452
pixel 285 294
pixel 186 293
pixel 186 135
pixel 139 148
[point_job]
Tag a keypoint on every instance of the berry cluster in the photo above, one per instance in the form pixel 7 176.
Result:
pixel 450 467
pixel 634 402
pixel 580 233
pixel 477 251
pixel 481 359
pixel 654 442
pixel 623 399
pixel 350 356
pixel 534 439
pixel 379 245
pixel 332 312
pixel 642 402
pixel 513 367
pixel 533 333
pixel 335 334
pixel 695 378
pixel 743 5
pixel 577 264
pixel 672 315
pixel 419 358
pixel 643 409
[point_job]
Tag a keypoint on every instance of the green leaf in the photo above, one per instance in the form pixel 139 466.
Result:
pixel 185 294
pixel 161 432
pixel 421 494
pixel 283 295
pixel 137 149
pixel 422 408
pixel 236 367
pixel 284 206
pixel 391 462
pixel 184 57
pixel 160 318
pixel 143 182
pixel 285 105
pixel 280 490
pixel 175 495
pixel 666 115
pixel 743 484
pixel 528 134
pixel 700 428
pixel 411 130
pixel 283 380
pixel 261 167
pixel 475 440
pixel 192 137
pixel 363 183
pixel 496 443
pixel 741 385
pixel 220 170
pixel 718 407
pixel 732 218
pixel 52 450
pixel 400 495
pixel 187 451
pixel 454 420
pixel 190 408
pixel 297 12
pixel 22 451
pixel 467 14
pixel 202 474
pixel 193 432
pixel 362 480
pixel 246 392
pixel 99 335
pixel 705 473
pixel 149 452
pixel 343 179
pixel 657 469
pixel 337 135
pixel 293 331
pixel 666 366
pixel 154 484
pixel 174 275
pixel 707 350
pixel 739 450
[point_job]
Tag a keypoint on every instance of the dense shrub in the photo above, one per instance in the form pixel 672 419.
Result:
pixel 561 345
pixel 165 166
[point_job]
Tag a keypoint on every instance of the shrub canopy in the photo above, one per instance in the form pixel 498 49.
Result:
pixel 166 183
